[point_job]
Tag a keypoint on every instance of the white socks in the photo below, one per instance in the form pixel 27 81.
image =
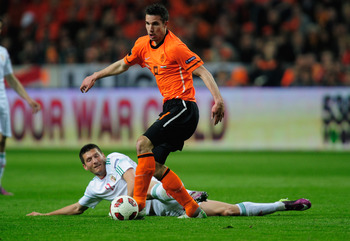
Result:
pixel 259 209
pixel 2 164
pixel 158 192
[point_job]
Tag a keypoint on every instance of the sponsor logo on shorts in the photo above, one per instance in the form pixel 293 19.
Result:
pixel 190 59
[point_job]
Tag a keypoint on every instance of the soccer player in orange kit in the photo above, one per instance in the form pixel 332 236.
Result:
pixel 172 64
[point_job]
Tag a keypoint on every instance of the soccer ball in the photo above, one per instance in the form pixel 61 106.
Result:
pixel 124 208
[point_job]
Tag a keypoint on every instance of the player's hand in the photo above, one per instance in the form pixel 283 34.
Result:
pixel 34 105
pixel 87 84
pixel 218 112
pixel 35 214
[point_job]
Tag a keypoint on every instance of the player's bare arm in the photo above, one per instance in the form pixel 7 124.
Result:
pixel 113 69
pixel 18 87
pixel 73 209
pixel 218 109
pixel 129 177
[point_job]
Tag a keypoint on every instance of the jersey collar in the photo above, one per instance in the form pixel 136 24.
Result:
pixel 160 43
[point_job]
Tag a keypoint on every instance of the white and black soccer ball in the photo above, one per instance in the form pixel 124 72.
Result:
pixel 124 208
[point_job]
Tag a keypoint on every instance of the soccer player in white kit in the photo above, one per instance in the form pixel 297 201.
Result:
pixel 5 123
pixel 118 180
pixel 115 175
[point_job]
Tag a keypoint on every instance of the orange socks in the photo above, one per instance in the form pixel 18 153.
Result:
pixel 144 172
pixel 173 185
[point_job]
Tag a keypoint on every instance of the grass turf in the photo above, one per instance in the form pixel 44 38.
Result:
pixel 45 180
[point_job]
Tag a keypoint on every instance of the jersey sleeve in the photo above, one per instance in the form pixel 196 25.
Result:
pixel 186 58
pixel 120 163
pixel 135 55
pixel 89 199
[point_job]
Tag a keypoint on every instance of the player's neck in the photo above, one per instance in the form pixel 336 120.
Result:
pixel 155 44
pixel 101 175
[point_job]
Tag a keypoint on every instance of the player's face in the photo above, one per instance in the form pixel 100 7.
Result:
pixel 95 162
pixel 155 27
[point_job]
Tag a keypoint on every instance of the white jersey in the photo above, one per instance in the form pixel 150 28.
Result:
pixel 114 185
pixel 5 69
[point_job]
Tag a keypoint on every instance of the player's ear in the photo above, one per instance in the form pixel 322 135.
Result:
pixel 85 167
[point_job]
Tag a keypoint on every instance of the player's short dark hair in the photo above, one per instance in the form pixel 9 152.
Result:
pixel 87 148
pixel 1 21
pixel 159 10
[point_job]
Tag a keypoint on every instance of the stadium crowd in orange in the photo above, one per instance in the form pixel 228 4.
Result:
pixel 274 42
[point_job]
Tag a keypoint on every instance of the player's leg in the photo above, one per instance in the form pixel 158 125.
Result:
pixel 172 183
pixel 157 191
pixel 174 186
pixel 5 131
pixel 259 209
pixel 180 129
pixel 217 208
pixel 176 123
pixel 2 155
pixel 3 163
pixel 169 208
pixel 144 170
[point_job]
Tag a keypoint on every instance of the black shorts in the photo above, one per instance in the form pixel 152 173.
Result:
pixel 175 124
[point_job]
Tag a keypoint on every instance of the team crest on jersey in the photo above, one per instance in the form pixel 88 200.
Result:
pixel 162 58
pixel 190 59
pixel 113 178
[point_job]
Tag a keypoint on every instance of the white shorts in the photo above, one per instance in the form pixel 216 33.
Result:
pixel 5 122
pixel 155 207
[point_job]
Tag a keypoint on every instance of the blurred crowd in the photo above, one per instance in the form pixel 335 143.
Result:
pixel 275 42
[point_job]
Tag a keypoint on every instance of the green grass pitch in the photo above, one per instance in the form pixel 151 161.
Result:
pixel 45 180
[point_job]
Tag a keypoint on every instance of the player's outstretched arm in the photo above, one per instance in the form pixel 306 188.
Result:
pixel 218 109
pixel 113 69
pixel 18 87
pixel 73 209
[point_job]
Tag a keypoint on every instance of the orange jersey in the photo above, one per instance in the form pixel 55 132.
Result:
pixel 171 62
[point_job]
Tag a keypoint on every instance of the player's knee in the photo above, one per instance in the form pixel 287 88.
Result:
pixel 143 145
